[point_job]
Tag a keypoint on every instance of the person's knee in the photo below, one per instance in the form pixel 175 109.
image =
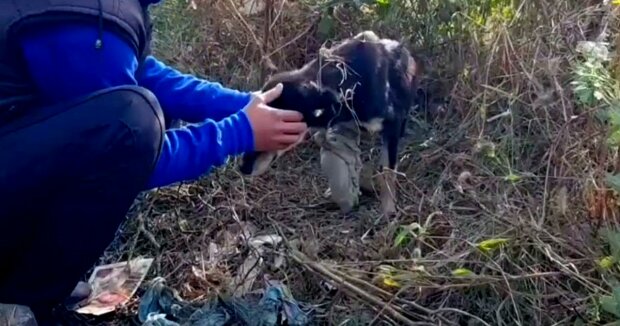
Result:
pixel 134 132
pixel 141 101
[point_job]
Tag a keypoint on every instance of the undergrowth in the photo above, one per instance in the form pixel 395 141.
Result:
pixel 509 208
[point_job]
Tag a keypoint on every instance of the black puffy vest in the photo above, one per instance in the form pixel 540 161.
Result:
pixel 129 17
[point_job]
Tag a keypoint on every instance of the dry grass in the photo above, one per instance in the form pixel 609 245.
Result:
pixel 533 176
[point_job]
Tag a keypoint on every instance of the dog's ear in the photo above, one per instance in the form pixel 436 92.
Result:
pixel 312 92
pixel 310 87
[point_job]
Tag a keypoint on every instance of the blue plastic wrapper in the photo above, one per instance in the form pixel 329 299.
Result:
pixel 161 306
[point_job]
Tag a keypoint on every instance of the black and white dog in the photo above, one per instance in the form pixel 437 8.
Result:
pixel 371 80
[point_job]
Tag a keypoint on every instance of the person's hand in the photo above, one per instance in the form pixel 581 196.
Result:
pixel 273 129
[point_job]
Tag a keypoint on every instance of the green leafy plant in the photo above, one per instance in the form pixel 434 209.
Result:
pixel 611 304
pixel 594 87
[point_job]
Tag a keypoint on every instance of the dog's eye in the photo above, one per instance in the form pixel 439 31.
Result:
pixel 317 113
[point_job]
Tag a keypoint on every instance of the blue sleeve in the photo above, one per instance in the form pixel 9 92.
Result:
pixel 187 97
pixel 210 144
pixel 64 63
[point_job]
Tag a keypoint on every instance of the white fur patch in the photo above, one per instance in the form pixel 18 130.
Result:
pixel 389 45
pixel 367 36
pixel 264 160
pixel 374 125
pixel 313 84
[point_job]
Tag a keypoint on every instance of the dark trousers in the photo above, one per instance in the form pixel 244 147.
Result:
pixel 68 175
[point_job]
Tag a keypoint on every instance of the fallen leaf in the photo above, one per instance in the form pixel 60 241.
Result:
pixel 492 244
pixel 512 178
pixel 462 272
pixel 388 281
pixel 606 262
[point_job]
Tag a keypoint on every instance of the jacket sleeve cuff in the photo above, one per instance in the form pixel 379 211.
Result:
pixel 238 127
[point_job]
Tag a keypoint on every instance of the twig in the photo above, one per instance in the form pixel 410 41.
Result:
pixel 146 233
pixel 382 291
pixel 266 37
pixel 278 14
pixel 298 257
pixel 142 229
pixel 294 39
pixel 245 24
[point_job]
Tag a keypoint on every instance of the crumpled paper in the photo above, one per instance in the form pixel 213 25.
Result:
pixel 161 306
pixel 113 285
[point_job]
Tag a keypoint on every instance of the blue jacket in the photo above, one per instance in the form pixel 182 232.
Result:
pixel 64 64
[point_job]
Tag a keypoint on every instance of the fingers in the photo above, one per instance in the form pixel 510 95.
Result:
pixel 290 115
pixel 263 99
pixel 255 100
pixel 287 140
pixel 296 128
pixel 272 94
